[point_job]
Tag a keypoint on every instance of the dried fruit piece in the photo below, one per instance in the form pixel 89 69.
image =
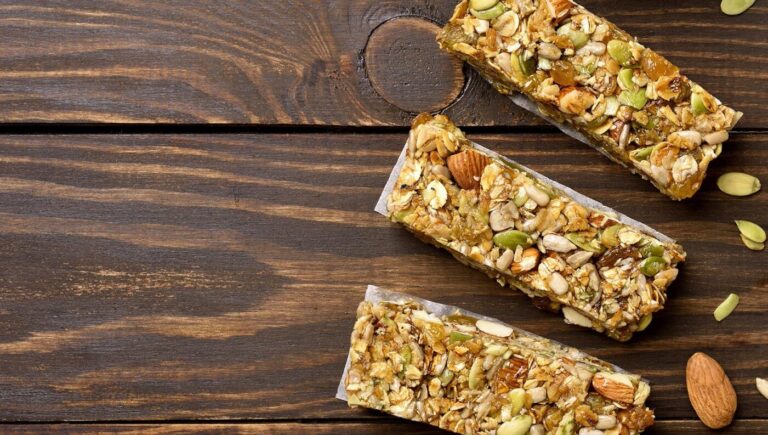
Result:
pixel 751 230
pixel 467 167
pixel 710 391
pixel 726 307
pixel 738 184
pixel 735 7
pixel 752 244
pixel 762 386
pixel 614 386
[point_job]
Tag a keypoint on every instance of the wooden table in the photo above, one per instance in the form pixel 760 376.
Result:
pixel 186 195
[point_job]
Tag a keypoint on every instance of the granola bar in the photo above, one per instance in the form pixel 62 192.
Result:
pixel 582 71
pixel 474 375
pixel 605 271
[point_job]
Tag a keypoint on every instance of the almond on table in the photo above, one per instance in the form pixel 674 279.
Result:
pixel 606 271
pixel 469 374
pixel 581 71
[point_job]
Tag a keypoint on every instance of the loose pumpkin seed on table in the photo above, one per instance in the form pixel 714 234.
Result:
pixel 738 184
pixel 735 7
pixel 726 307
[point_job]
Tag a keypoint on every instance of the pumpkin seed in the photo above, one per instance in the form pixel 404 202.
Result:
pixel 726 307
pixel 636 98
pixel 652 265
pixel 625 79
pixel 481 5
pixel 642 153
pixel 459 336
pixel 516 398
pixel 762 386
pixel 592 245
pixel 610 236
pixel 697 104
pixel 652 249
pixel 620 52
pixel 511 239
pixel 577 37
pixel 738 184
pixel 644 322
pixel 752 244
pixel 488 14
pixel 735 7
pixel 611 106
pixel 752 231
pixel 519 425
pixel 476 375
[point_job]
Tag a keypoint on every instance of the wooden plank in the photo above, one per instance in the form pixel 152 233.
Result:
pixel 302 62
pixel 388 426
pixel 216 276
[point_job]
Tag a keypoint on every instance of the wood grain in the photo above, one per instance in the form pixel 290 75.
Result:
pixel 302 62
pixel 149 277
pixel 676 427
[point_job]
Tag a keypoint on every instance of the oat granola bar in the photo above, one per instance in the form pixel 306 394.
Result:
pixel 565 251
pixel 472 375
pixel 582 71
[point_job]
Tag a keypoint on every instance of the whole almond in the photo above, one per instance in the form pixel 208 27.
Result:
pixel 467 167
pixel 614 386
pixel 710 391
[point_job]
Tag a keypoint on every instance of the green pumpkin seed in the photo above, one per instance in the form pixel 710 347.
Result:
pixel 726 307
pixel 401 215
pixel 652 249
pixel 446 377
pixel 406 354
pixel 735 7
pixel 625 79
pixel 591 245
pixel 516 398
pixel 476 375
pixel 511 239
pixel 611 105
pixel 738 184
pixel 752 244
pixel 577 37
pixel 642 153
pixel 488 14
pixel 610 236
pixel 652 265
pixel 620 52
pixel 644 322
pixel 697 104
pixel 519 425
pixel 521 197
pixel 752 231
pixel 481 5
pixel 459 336
pixel 636 98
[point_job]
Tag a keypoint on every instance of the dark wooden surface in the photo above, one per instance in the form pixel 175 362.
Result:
pixel 203 278
pixel 303 61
